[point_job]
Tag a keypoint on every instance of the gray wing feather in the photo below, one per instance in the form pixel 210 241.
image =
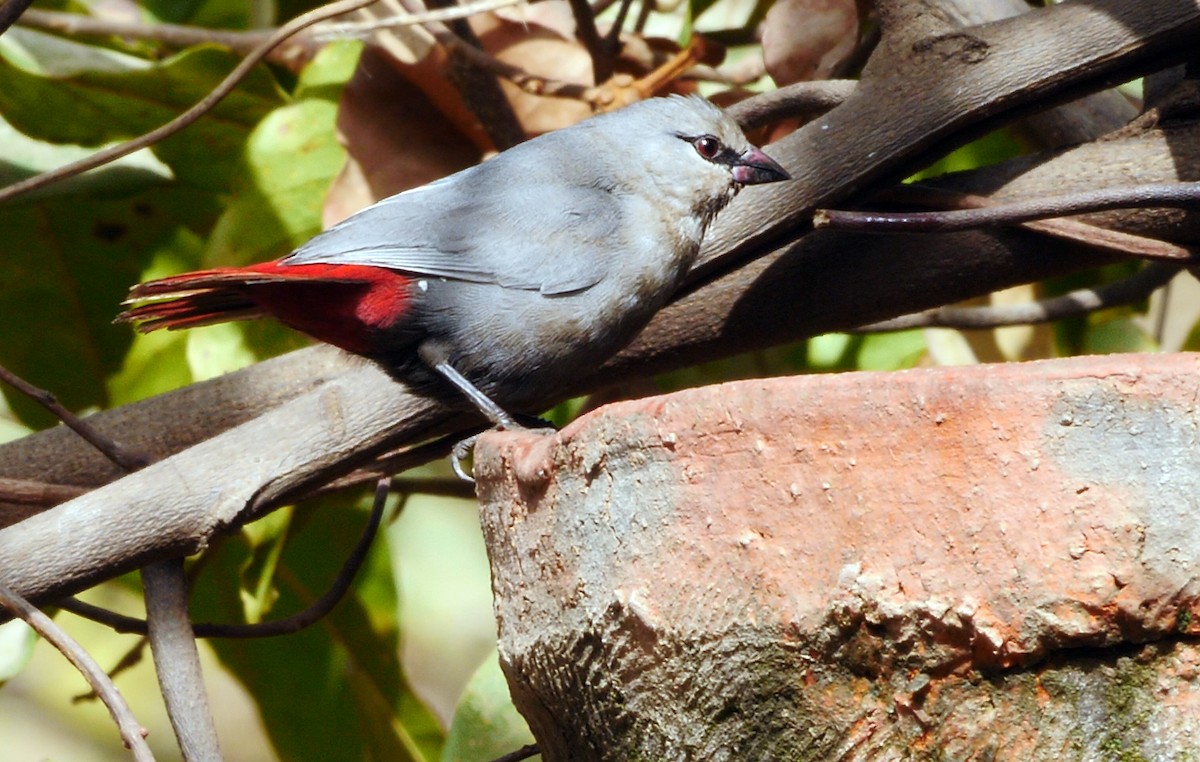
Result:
pixel 523 229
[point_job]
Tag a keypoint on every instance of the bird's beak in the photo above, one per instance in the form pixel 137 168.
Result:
pixel 753 167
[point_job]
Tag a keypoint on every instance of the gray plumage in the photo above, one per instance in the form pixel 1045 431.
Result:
pixel 510 278
pixel 587 231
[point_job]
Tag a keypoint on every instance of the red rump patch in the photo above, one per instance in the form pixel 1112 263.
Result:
pixel 344 305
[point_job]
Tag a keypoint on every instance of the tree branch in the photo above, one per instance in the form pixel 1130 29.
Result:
pixel 171 35
pixel 273 628
pixel 131 730
pixel 826 282
pixel 1184 195
pixel 176 660
pixel 10 11
pixel 1073 304
pixel 1044 56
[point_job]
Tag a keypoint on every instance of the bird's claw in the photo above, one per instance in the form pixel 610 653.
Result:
pixel 464 449
pixel 460 452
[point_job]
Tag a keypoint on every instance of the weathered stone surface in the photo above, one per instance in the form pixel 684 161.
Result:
pixel 986 562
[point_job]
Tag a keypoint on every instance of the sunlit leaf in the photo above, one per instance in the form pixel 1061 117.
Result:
pixel 990 149
pixel 829 350
pixel 891 351
pixel 290 161
pixel 486 724
pixel 16 646
pixel 949 347
pixel 103 96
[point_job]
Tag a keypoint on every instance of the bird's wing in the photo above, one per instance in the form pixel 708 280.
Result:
pixel 535 234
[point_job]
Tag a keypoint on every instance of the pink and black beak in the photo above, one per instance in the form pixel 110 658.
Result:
pixel 753 167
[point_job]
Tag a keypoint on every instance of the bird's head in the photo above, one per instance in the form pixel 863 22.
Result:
pixel 691 151
pixel 718 142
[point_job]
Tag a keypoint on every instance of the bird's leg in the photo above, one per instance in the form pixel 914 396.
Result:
pixel 435 356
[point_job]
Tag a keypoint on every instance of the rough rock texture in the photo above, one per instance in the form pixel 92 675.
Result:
pixel 994 562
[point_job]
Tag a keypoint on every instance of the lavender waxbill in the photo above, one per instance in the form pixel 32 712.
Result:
pixel 508 279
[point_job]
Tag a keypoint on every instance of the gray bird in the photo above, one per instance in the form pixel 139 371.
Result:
pixel 509 278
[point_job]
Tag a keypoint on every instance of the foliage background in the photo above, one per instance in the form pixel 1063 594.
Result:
pixel 383 676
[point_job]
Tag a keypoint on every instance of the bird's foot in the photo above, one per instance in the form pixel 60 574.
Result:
pixel 465 449
pixel 462 451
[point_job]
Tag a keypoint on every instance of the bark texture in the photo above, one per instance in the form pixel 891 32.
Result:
pixel 994 562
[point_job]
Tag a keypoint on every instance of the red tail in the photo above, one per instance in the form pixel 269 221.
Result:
pixel 344 305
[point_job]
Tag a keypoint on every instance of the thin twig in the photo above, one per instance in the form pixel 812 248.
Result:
pixel 227 85
pixel 585 29
pixel 171 35
pixel 176 660
pixel 172 643
pixel 612 41
pixel 10 11
pixel 132 732
pixel 639 26
pixel 29 492
pixel 358 29
pixel 112 450
pixel 1079 302
pixel 326 602
pixel 284 626
pixel 116 622
pixel 534 84
pixel 1093 236
pixel 525 752
pixel 1184 195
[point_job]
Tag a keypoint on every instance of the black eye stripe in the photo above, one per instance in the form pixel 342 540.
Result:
pixel 726 156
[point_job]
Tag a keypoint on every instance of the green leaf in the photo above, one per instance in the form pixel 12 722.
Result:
pixel 990 149
pixel 891 351
pixel 157 362
pixel 829 351
pixel 1120 334
pixel 99 96
pixel 1192 343
pixel 51 56
pixel 267 538
pixel 291 158
pixel 218 14
pixel 68 263
pixel 17 640
pixel 334 690
pixel 22 157
pixel 486 724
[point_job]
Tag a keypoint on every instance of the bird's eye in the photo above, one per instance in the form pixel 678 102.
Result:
pixel 707 146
